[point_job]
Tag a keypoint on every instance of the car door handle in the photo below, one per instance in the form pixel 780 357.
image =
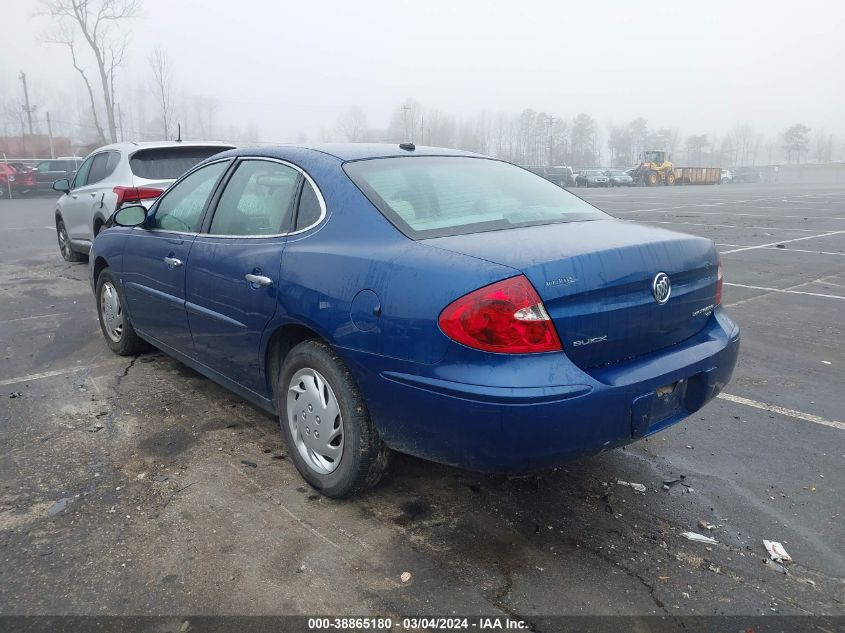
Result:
pixel 258 280
pixel 172 261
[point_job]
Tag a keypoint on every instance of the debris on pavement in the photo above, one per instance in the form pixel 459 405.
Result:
pixel 405 577
pixel 827 362
pixel 637 487
pixel 58 507
pixel 96 427
pixel 776 566
pixel 160 478
pixel 704 525
pixel 699 538
pixel 668 483
pixel 777 553
pixel 248 463
pixel 16 394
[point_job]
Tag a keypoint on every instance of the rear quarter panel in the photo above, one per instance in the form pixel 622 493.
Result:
pixel 401 285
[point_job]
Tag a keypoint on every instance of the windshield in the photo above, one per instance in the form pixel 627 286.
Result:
pixel 168 163
pixel 435 196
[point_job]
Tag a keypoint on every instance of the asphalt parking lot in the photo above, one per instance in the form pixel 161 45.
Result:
pixel 135 486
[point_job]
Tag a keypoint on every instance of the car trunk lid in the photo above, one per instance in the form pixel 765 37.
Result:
pixel 595 279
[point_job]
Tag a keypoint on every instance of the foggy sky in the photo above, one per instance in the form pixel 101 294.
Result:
pixel 292 67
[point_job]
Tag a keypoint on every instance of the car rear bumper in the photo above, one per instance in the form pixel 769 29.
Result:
pixel 497 427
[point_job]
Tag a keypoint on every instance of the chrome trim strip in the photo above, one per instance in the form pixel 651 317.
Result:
pixel 320 199
pixel 195 308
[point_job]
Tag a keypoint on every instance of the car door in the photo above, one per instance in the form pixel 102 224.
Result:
pixel 84 196
pixel 73 207
pixel 233 270
pixel 155 256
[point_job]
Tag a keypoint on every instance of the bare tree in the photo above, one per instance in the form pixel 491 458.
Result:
pixel 98 21
pixel 352 124
pixel 163 87
pixel 795 141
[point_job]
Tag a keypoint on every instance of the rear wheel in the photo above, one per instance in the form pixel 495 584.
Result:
pixel 68 254
pixel 670 179
pixel 332 440
pixel 114 320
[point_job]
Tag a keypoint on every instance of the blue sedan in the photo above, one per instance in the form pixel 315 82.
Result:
pixel 422 300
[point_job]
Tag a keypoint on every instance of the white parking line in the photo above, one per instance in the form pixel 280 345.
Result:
pixel 46 374
pixel 785 290
pixel 731 226
pixel 797 239
pixel 39 316
pixel 26 228
pixel 791 413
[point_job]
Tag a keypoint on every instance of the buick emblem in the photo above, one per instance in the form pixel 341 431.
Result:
pixel 661 288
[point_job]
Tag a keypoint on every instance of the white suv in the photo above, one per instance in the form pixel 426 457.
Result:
pixel 117 174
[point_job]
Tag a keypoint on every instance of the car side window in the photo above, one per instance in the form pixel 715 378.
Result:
pixel 309 210
pixel 111 164
pixel 257 200
pixel 181 206
pixel 82 173
pixel 98 168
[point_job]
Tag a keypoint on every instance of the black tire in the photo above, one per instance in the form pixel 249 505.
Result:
pixel 128 343
pixel 65 248
pixel 364 456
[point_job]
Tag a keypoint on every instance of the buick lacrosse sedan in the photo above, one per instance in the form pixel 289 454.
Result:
pixel 422 300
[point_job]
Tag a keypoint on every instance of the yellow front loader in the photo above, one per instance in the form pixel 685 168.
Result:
pixel 655 168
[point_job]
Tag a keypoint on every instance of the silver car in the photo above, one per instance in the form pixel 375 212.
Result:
pixel 114 175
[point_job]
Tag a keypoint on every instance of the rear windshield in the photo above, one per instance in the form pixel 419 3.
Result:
pixel 435 196
pixel 168 163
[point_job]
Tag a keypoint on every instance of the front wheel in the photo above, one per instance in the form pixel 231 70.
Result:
pixel 114 321
pixel 332 440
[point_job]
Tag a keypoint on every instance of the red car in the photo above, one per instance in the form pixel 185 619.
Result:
pixel 14 182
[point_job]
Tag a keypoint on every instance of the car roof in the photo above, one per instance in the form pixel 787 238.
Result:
pixel 348 151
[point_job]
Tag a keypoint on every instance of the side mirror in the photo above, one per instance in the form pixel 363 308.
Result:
pixel 62 185
pixel 132 215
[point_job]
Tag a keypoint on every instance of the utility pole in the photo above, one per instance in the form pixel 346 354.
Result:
pixel 29 110
pixel 50 136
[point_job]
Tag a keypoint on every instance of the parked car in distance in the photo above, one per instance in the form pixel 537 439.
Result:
pixel 49 171
pixel 618 178
pixel 118 174
pixel 746 175
pixel 591 178
pixel 424 300
pixel 727 177
pixel 560 175
pixel 8 184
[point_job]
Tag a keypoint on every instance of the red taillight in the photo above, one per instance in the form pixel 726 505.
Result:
pixel 506 317
pixel 135 194
pixel 718 300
